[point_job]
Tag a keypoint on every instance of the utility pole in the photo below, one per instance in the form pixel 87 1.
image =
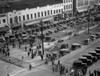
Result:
pixel 42 36
pixel 89 19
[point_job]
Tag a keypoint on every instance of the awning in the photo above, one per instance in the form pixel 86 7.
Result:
pixel 82 10
pixel 4 29
pixel 31 22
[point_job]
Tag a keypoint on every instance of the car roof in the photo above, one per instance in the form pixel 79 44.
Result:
pixel 75 44
pixel 87 55
pixel 92 52
pixel 82 58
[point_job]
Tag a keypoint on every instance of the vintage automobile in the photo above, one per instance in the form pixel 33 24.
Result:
pixel 74 46
pixel 85 60
pixel 86 41
pixel 89 56
pixel 78 67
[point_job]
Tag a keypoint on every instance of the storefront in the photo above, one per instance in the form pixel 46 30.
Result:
pixel 4 30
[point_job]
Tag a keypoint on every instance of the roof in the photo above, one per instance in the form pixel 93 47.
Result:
pixel 22 4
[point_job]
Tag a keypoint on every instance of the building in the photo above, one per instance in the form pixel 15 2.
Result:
pixel 83 5
pixel 4 27
pixel 68 8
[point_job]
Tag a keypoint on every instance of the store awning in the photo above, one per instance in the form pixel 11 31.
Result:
pixel 31 22
pixel 4 29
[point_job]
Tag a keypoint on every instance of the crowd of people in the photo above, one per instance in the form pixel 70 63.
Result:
pixel 94 73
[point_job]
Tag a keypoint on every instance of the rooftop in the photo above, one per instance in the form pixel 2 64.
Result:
pixel 22 4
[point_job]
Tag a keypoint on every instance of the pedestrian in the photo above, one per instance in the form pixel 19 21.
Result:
pixel 30 67
pixel 25 48
pixel 46 60
pixel 28 53
pixel 41 57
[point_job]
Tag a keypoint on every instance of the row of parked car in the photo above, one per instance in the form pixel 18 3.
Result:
pixel 87 60
pixel 92 38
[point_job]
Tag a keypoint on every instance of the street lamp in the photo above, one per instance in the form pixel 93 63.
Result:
pixel 42 36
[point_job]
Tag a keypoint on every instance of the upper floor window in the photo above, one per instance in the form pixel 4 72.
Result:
pixel 4 20
pixel 11 20
pixel 51 12
pixel 23 17
pixel 27 16
pixel 45 13
pixel 38 14
pixel 48 12
pixel 54 12
pixel 41 13
pixel 19 18
pixel 34 15
pixel 31 16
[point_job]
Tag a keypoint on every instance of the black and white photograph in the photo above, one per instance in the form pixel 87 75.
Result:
pixel 49 38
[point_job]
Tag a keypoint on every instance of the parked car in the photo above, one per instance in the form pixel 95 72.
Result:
pixel 60 40
pixel 64 46
pixel 89 56
pixel 62 52
pixel 74 46
pixel 86 41
pixel 85 60
pixel 93 53
pixel 92 37
pixel 98 47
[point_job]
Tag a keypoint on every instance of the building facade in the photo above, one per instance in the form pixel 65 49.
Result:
pixel 3 20
pixel 31 16
pixel 68 8
pixel 83 5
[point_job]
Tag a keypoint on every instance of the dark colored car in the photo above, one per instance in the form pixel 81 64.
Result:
pixel 85 60
pixel 93 53
pixel 89 56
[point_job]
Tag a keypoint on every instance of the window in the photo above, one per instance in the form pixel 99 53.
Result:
pixel 41 13
pixel 0 21
pixel 23 17
pixel 64 7
pixel 54 12
pixel 38 14
pixel 19 18
pixel 4 20
pixel 11 20
pixel 48 12
pixel 45 13
pixel 51 12
pixel 34 15
pixel 31 16
pixel 27 16
pixel 59 10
